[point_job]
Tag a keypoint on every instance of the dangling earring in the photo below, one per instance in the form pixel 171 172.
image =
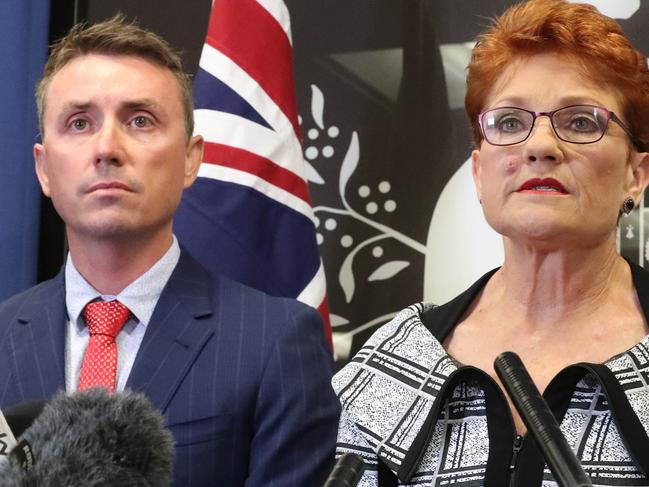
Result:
pixel 628 205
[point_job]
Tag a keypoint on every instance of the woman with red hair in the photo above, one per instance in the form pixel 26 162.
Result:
pixel 559 104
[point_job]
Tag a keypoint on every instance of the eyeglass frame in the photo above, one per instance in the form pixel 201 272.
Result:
pixel 609 116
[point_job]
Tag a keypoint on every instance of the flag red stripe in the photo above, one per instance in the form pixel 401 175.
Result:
pixel 249 35
pixel 236 158
pixel 323 309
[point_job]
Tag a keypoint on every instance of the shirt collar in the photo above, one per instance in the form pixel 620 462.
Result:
pixel 140 296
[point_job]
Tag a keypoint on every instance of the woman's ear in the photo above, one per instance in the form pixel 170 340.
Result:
pixel 476 171
pixel 638 175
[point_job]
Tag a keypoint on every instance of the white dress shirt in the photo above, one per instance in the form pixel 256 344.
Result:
pixel 141 297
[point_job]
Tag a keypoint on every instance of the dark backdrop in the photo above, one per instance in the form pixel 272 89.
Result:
pixel 380 86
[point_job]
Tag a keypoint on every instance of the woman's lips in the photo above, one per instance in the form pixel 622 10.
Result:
pixel 542 186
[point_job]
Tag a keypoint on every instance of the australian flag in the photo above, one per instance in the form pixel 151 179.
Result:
pixel 249 215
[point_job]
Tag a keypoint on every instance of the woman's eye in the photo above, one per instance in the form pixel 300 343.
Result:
pixel 509 124
pixel 583 124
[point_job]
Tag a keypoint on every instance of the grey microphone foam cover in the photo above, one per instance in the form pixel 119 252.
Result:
pixel 94 439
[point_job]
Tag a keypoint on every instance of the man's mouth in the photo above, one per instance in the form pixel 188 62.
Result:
pixel 544 186
pixel 108 185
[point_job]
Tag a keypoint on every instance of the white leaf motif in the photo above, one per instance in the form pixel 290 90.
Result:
pixel 336 320
pixel 346 277
pixel 317 106
pixel 342 343
pixel 388 270
pixel 311 174
pixel 350 162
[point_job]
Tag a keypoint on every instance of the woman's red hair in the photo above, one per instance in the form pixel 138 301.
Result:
pixel 576 30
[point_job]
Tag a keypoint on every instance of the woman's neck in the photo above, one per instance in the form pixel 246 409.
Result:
pixel 550 287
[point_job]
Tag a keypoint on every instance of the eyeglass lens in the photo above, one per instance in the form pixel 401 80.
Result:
pixel 581 124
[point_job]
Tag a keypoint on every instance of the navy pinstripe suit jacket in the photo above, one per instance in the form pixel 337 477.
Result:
pixel 242 378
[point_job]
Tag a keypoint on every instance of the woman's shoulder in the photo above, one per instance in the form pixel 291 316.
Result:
pixel 411 340
pixel 397 359
pixel 392 384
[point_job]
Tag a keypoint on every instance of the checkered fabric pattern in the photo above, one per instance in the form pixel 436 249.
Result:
pixel 391 385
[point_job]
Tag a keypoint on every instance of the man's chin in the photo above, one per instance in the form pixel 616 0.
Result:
pixel 107 230
pixel 117 226
pixel 111 232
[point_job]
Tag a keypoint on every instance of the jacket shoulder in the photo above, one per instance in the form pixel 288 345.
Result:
pixel 234 299
pixel 30 297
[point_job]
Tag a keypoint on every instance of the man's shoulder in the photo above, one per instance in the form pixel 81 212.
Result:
pixel 24 303
pixel 44 291
pixel 257 297
pixel 235 298
pixel 262 310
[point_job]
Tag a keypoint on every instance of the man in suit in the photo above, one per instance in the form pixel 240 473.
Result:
pixel 241 378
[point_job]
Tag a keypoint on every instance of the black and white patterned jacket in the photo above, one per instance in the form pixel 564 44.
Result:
pixel 410 409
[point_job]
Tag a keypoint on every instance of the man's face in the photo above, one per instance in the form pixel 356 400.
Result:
pixel 114 157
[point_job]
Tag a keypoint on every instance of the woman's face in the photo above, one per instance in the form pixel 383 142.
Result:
pixel 579 188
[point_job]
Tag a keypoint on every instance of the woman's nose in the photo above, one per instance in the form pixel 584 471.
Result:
pixel 543 143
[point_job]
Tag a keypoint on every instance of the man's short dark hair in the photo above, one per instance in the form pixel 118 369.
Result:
pixel 117 37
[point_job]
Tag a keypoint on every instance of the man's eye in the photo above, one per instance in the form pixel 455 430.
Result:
pixel 141 122
pixel 79 124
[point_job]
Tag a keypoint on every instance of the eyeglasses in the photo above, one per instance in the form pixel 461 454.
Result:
pixel 577 124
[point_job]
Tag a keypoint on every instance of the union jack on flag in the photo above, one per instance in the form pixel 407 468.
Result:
pixel 249 214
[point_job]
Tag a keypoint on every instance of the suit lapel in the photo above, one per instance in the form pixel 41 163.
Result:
pixel 38 341
pixel 175 336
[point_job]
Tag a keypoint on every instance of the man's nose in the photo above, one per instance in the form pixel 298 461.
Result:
pixel 109 143
pixel 543 143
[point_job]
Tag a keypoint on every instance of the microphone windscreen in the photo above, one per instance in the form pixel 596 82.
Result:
pixel 94 439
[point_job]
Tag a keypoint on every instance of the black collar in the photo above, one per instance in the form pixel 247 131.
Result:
pixel 441 320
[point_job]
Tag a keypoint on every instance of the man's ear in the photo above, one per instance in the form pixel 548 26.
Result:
pixel 476 171
pixel 40 165
pixel 193 159
pixel 638 175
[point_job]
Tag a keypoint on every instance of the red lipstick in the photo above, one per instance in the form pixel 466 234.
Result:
pixel 542 186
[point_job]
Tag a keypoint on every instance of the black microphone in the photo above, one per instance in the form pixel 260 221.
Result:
pixel 21 416
pixel 347 471
pixel 540 421
pixel 93 438
pixel 13 423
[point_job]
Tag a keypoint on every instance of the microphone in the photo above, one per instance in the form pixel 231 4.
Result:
pixel 13 423
pixel 540 421
pixel 7 439
pixel 21 416
pixel 347 471
pixel 92 438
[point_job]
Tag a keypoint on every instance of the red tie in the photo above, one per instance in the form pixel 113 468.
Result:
pixel 104 319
